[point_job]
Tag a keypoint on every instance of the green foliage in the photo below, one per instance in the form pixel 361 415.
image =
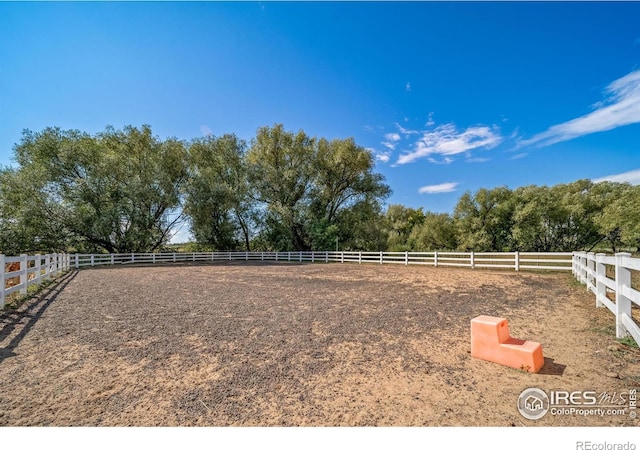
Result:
pixel 118 190
pixel 217 195
pixel 309 189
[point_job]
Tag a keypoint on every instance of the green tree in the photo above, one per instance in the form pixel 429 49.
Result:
pixel 401 221
pixel 217 197
pixel 310 188
pixel 484 220
pixel 435 232
pixel 119 190
pixel 619 222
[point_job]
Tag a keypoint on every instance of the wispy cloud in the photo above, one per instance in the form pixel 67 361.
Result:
pixel 632 177
pixel 205 130
pixel 445 160
pixel 391 139
pixel 406 131
pixel 477 160
pixel 446 140
pixel 438 188
pixel 620 107
pixel 407 87
pixel 383 156
pixel 519 155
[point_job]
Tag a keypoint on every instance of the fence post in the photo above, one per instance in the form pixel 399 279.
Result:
pixel 246 256
pixel 601 273
pixel 623 304
pixel 359 257
pixel 435 259
pixel 24 262
pixel 517 260
pixel 56 264
pixel 92 260
pixel 38 268
pixel 381 257
pixel 300 256
pixel 406 258
pixel 47 266
pixel 2 282
pixel 288 256
pixel 591 267
pixel 342 257
pixel 326 256
pixel 472 260
pixel 174 256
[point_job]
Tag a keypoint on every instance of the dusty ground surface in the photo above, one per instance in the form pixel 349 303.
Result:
pixel 298 344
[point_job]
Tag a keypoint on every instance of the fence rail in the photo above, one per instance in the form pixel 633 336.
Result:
pixel 37 268
pixel 591 270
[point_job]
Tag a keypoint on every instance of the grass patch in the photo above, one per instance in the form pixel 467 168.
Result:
pixel 629 341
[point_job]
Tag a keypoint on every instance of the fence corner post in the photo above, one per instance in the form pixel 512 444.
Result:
pixel 623 304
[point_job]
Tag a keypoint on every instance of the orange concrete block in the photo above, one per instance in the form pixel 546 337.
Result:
pixel 490 340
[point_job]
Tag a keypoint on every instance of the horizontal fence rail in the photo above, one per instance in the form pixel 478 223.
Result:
pixel 590 269
pixel 33 270
pixel 613 292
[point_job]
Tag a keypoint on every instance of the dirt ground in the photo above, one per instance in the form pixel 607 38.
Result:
pixel 280 344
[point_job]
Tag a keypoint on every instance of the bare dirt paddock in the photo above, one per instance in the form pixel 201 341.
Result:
pixel 298 344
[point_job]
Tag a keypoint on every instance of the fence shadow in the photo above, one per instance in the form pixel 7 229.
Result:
pixel 552 368
pixel 35 307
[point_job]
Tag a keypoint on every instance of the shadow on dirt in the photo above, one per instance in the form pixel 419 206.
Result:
pixel 27 314
pixel 552 368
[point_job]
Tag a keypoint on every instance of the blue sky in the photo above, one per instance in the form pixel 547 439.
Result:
pixel 449 96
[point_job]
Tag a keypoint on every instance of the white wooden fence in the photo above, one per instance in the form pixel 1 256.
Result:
pixel 591 270
pixel 43 267
pixel 49 266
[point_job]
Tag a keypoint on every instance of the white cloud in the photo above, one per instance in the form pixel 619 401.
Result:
pixel 519 156
pixel 407 87
pixel 620 107
pixel 438 188
pixel 477 160
pixel 380 156
pixel 392 137
pixel 446 140
pixel 430 121
pixel 205 130
pixel 632 177
pixel 445 160
pixel 406 131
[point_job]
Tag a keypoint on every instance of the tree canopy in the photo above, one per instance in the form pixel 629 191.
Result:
pixel 126 190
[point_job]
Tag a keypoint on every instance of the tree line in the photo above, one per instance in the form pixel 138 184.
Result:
pixel 127 190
